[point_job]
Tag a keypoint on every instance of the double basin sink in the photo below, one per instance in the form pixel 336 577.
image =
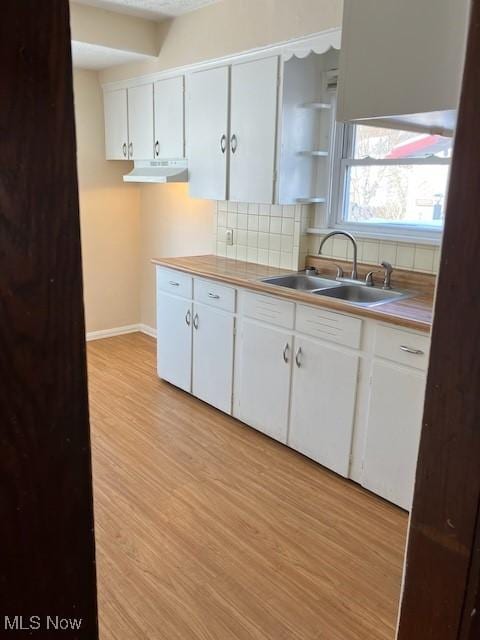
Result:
pixel 356 294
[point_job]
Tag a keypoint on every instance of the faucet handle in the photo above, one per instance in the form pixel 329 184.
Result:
pixel 369 278
pixel 388 274
pixel 339 271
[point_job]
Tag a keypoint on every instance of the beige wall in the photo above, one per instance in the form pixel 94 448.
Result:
pixel 233 26
pixel 172 224
pixel 109 217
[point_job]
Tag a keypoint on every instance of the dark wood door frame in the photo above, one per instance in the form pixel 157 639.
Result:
pixel 441 593
pixel 47 566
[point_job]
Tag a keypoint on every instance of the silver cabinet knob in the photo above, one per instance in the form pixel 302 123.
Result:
pixel 285 352
pixel 157 148
pixel 188 318
pixel 233 143
pixel 124 149
pixel 223 143
pixel 195 321
pixel 130 150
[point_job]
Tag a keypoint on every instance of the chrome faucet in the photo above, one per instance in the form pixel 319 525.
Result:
pixel 353 241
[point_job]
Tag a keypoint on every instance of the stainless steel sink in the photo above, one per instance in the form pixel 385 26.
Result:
pixel 362 295
pixel 302 282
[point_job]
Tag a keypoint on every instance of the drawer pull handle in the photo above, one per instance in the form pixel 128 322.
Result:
pixel 188 318
pixel 285 352
pixel 174 284
pixel 195 321
pixel 215 296
pixel 415 352
pixel 297 357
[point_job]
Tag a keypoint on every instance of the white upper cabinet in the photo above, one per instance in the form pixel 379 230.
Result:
pixel 253 120
pixel 116 124
pixel 402 58
pixel 207 133
pixel 169 118
pixel 140 122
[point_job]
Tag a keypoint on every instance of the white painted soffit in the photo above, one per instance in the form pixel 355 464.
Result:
pixel 94 56
pixel 149 9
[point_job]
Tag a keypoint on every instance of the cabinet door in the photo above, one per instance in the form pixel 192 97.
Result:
pixel 174 340
pixel 169 120
pixel 262 387
pixel 207 133
pixel 323 403
pixel 393 432
pixel 213 335
pixel 253 130
pixel 116 124
pixel 140 122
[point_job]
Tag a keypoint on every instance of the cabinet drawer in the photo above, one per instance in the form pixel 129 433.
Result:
pixel 214 294
pixel 267 309
pixel 326 325
pixel 176 282
pixel 401 346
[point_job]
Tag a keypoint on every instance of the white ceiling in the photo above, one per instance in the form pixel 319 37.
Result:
pixel 94 56
pixel 150 9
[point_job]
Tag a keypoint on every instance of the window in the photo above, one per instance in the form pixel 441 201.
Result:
pixel 391 181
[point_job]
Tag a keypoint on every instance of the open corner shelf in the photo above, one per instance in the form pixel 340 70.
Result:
pixel 314 153
pixel 311 200
pixel 316 105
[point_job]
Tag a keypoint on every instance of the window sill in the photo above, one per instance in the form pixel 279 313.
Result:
pixel 431 240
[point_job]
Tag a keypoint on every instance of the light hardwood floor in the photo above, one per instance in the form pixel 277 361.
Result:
pixel 208 530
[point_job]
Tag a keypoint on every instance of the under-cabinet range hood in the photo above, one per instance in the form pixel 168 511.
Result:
pixel 158 171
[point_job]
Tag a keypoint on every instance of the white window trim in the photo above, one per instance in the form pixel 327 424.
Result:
pixel 342 161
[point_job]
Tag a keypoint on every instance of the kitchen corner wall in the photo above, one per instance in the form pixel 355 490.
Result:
pixel 109 218
pixel 274 235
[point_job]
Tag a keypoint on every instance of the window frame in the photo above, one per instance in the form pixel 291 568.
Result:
pixel 343 160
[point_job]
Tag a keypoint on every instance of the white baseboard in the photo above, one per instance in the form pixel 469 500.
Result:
pixel 119 331
pixel 149 331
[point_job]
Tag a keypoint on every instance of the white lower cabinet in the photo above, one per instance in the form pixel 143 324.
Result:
pixel 344 391
pixel 393 431
pixel 323 403
pixel 262 388
pixel 174 340
pixel 212 365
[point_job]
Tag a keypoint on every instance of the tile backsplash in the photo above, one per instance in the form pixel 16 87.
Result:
pixel 276 235
pixel 267 234
pixel 414 257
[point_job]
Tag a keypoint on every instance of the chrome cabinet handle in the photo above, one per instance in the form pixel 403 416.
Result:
pixel 130 149
pixel 188 318
pixel 233 143
pixel 215 296
pixel 124 149
pixel 285 352
pixel 223 143
pixel 157 148
pixel 415 352
pixel 195 321
pixel 297 357
pixel 173 283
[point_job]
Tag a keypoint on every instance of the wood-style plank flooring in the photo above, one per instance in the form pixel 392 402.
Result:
pixel 208 530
